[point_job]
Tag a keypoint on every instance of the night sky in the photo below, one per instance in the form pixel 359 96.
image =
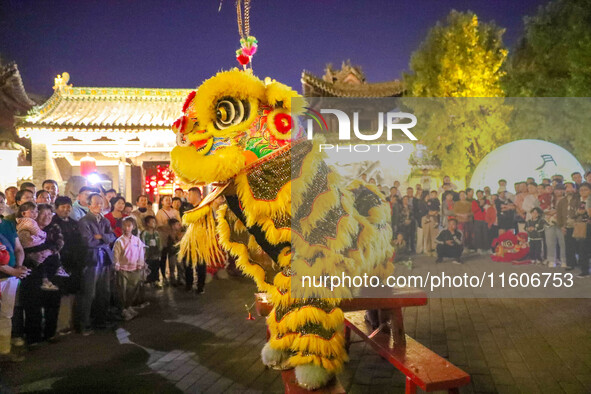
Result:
pixel 177 44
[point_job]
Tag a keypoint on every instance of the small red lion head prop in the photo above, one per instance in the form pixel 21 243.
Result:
pixel 510 247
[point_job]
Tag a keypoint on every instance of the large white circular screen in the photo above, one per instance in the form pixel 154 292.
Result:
pixel 518 160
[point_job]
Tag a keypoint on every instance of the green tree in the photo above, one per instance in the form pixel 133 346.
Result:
pixel 459 58
pixel 553 58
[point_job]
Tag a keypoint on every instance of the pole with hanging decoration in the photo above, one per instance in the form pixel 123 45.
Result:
pixel 248 43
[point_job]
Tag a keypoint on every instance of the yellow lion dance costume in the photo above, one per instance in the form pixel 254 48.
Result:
pixel 238 133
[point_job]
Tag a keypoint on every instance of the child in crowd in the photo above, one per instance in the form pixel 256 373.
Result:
pixel 402 252
pixel 30 235
pixel 434 204
pixel 535 231
pixel 128 209
pixel 174 267
pixel 151 239
pixel 128 253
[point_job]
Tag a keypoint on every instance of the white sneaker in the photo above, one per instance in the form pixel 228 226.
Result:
pixel 563 265
pixel 61 272
pixel 17 342
pixel 132 312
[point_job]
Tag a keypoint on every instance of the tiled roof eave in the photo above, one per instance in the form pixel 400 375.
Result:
pixel 90 128
pixel 90 94
pixel 10 75
pixel 381 89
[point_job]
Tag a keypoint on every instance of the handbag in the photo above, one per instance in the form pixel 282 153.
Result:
pixel 580 230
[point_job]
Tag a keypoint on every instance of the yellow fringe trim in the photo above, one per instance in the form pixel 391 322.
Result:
pixel 334 366
pixel 296 318
pixel 240 251
pixel 277 91
pixel 380 214
pixel 280 299
pixel 282 343
pixel 284 259
pixel 196 214
pixel 200 243
pixel 273 234
pixel 327 348
pixel 282 282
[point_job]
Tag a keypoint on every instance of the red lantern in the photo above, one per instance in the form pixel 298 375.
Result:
pixel 87 165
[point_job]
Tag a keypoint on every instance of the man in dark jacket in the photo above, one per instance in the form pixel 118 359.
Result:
pixel 98 237
pixel 566 210
pixel 72 257
pixel 193 200
pixel 449 243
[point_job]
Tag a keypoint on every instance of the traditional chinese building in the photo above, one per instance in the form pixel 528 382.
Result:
pixel 349 81
pixel 125 131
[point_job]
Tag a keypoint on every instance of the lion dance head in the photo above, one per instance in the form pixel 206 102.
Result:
pixel 231 121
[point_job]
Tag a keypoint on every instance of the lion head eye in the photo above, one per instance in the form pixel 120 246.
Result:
pixel 230 112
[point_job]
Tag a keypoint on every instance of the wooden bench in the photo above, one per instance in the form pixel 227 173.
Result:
pixel 422 367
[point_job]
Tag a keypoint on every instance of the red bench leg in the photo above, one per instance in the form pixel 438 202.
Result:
pixel 397 333
pixel 411 387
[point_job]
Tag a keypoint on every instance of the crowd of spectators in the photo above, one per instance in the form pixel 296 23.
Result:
pixel 84 265
pixel 447 222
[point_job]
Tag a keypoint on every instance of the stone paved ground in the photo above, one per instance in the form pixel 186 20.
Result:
pixel 189 343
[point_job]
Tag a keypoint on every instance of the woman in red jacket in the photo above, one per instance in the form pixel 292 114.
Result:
pixel 481 235
pixel 115 217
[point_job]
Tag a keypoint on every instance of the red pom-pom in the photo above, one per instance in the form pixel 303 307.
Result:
pixel 283 123
pixel 243 59
pixel 188 100
pixel 180 125
pixel 176 126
